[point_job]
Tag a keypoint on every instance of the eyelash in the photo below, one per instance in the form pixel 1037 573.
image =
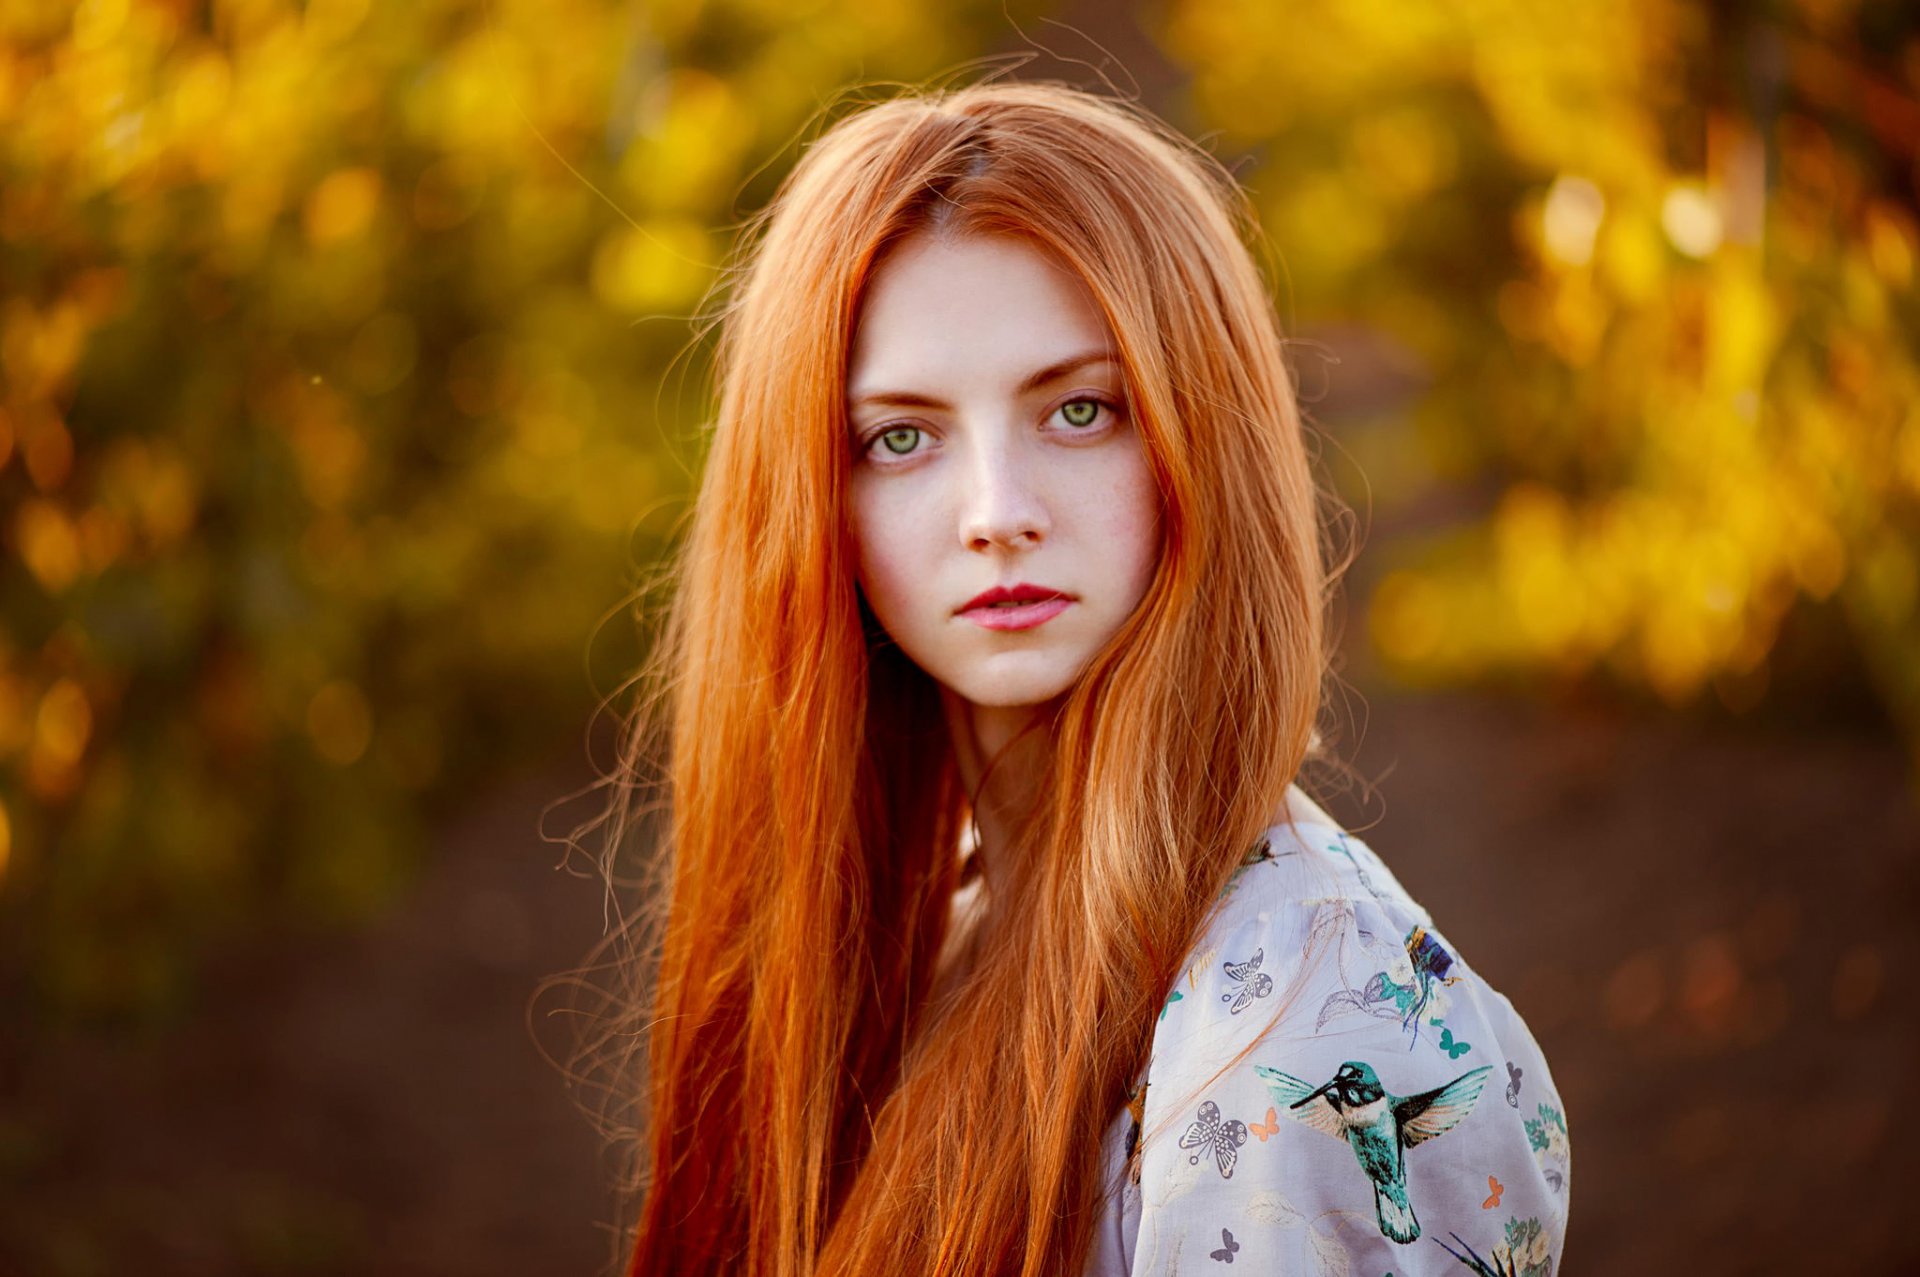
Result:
pixel 873 436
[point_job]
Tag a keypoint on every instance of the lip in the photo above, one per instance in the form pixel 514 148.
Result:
pixel 1034 605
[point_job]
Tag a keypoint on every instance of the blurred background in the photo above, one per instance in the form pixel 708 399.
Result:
pixel 348 393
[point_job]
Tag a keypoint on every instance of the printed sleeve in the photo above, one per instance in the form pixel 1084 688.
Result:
pixel 1396 1117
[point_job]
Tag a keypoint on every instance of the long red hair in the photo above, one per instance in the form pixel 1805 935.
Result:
pixel 808 1107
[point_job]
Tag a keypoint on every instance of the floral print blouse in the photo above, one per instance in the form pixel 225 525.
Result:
pixel 1398 1119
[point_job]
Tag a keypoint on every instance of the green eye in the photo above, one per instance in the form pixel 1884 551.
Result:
pixel 900 439
pixel 1080 412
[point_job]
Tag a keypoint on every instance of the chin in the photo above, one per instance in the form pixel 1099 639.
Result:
pixel 1003 699
pixel 1009 684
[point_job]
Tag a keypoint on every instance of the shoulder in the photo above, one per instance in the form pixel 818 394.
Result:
pixel 1311 912
pixel 1325 1023
pixel 1308 902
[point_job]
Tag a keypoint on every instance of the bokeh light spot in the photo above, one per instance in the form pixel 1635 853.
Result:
pixel 340 722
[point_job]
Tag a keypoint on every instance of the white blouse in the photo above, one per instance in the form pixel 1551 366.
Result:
pixel 1397 1118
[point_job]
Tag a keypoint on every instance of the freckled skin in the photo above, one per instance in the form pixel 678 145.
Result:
pixel 998 486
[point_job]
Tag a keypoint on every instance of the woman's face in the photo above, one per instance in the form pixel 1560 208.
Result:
pixel 993 450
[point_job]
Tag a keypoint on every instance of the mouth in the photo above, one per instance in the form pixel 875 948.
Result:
pixel 1013 595
pixel 1016 607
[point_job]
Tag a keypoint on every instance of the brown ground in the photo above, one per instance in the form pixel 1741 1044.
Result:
pixel 1704 929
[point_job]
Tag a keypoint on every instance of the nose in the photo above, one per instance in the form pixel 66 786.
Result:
pixel 1001 507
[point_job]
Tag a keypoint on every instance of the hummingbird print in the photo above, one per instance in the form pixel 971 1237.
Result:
pixel 1260 851
pixel 1379 1126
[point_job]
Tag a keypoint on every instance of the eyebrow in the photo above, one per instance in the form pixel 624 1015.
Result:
pixel 1052 372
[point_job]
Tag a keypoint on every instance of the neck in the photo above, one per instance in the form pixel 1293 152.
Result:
pixel 1000 751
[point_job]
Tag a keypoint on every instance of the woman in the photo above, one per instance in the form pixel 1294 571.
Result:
pixel 1007 544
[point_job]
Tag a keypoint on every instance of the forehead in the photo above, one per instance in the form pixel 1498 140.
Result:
pixel 976 309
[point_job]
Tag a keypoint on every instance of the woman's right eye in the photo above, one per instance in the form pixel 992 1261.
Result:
pixel 899 440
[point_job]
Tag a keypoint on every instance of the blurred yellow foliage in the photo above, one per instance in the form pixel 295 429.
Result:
pixel 340 722
pixel 342 205
pixel 1680 329
pixel 48 544
pixel 333 421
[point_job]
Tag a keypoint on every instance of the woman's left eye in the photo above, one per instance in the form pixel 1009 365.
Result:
pixel 1081 413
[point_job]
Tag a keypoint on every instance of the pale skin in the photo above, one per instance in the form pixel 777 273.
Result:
pixel 993 444
pixel 967 477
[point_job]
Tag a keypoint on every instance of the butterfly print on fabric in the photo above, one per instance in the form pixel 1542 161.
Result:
pixel 1225 1253
pixel 1253 982
pixel 1513 1084
pixel 1208 1131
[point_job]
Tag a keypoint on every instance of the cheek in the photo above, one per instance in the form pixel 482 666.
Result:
pixel 1128 524
pixel 888 543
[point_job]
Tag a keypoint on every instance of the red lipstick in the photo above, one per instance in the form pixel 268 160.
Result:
pixel 1016 607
